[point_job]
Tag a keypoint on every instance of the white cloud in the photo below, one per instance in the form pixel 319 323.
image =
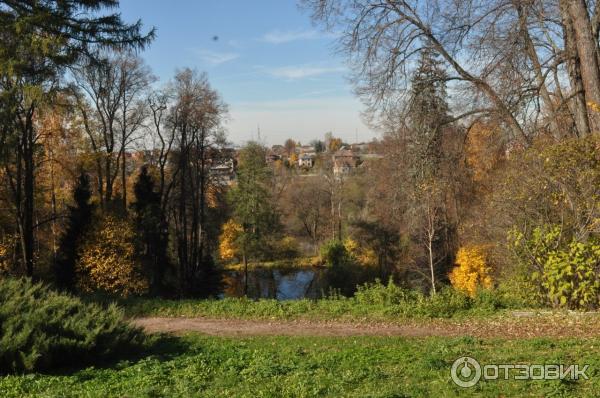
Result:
pixel 279 37
pixel 300 72
pixel 216 58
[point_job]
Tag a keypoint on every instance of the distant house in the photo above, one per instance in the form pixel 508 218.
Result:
pixel 223 173
pixel 344 161
pixel 272 157
pixel 306 160
pixel 305 149
pixel 279 150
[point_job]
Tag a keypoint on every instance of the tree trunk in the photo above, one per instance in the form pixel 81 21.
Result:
pixel 587 51
pixel 245 260
pixel 577 105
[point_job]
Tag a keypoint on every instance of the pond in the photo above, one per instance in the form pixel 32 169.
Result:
pixel 280 284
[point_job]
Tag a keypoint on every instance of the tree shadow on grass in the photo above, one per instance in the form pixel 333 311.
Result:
pixel 162 347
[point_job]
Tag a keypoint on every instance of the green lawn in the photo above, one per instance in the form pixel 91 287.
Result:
pixel 199 366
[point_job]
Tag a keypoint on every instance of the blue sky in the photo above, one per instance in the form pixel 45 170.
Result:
pixel 270 64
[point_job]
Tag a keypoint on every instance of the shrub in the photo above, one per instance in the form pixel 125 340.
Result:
pixel 41 329
pixel 379 294
pixel 286 247
pixel 334 253
pixel 566 272
pixel 472 271
pixel 107 259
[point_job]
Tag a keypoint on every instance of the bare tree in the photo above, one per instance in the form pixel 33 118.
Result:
pixel 115 87
pixel 195 116
pixel 534 63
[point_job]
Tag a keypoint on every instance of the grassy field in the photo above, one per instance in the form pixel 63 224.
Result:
pixel 198 366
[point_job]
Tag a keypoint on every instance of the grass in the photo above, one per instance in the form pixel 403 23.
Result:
pixel 288 264
pixel 199 366
pixel 374 302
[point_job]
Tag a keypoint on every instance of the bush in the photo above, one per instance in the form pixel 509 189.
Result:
pixel 334 253
pixel 472 272
pixel 107 260
pixel 380 294
pixel 41 329
pixel 285 248
pixel 565 272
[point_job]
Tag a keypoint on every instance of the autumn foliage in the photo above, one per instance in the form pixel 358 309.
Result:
pixel 228 247
pixel 107 260
pixel 472 271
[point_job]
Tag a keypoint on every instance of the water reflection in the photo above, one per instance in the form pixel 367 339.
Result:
pixel 277 283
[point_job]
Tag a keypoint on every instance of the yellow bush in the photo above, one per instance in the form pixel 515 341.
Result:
pixel 228 249
pixel 6 247
pixel 107 259
pixel 365 256
pixel 472 271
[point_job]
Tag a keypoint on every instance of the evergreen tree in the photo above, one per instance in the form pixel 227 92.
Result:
pixel 428 121
pixel 428 114
pixel 252 204
pixel 79 219
pixel 152 229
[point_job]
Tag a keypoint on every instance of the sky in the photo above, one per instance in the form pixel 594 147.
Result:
pixel 269 63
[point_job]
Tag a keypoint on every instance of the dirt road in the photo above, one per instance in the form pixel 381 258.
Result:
pixel 515 326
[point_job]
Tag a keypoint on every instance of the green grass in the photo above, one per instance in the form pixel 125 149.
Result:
pixel 198 366
pixel 375 302
pixel 288 264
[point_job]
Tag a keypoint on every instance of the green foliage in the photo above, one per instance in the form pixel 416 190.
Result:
pixel 334 253
pixel 251 202
pixel 41 329
pixel 374 302
pixel 286 248
pixel 566 273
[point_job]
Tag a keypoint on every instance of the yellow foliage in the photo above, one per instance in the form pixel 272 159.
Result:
pixel 107 260
pixel 228 248
pixel 4 253
pixel 351 246
pixel 293 160
pixel 472 271
pixel 364 256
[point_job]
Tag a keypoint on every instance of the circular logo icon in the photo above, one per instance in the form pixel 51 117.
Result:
pixel 465 372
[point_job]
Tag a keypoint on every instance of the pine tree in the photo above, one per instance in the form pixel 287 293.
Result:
pixel 151 229
pixel 428 114
pixel 79 219
pixel 428 120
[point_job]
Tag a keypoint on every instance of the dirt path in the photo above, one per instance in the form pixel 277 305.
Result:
pixel 511 327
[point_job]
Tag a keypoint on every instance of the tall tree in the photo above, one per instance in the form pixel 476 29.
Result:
pixel 79 218
pixel 150 229
pixel 252 205
pixel 112 101
pixel 195 116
